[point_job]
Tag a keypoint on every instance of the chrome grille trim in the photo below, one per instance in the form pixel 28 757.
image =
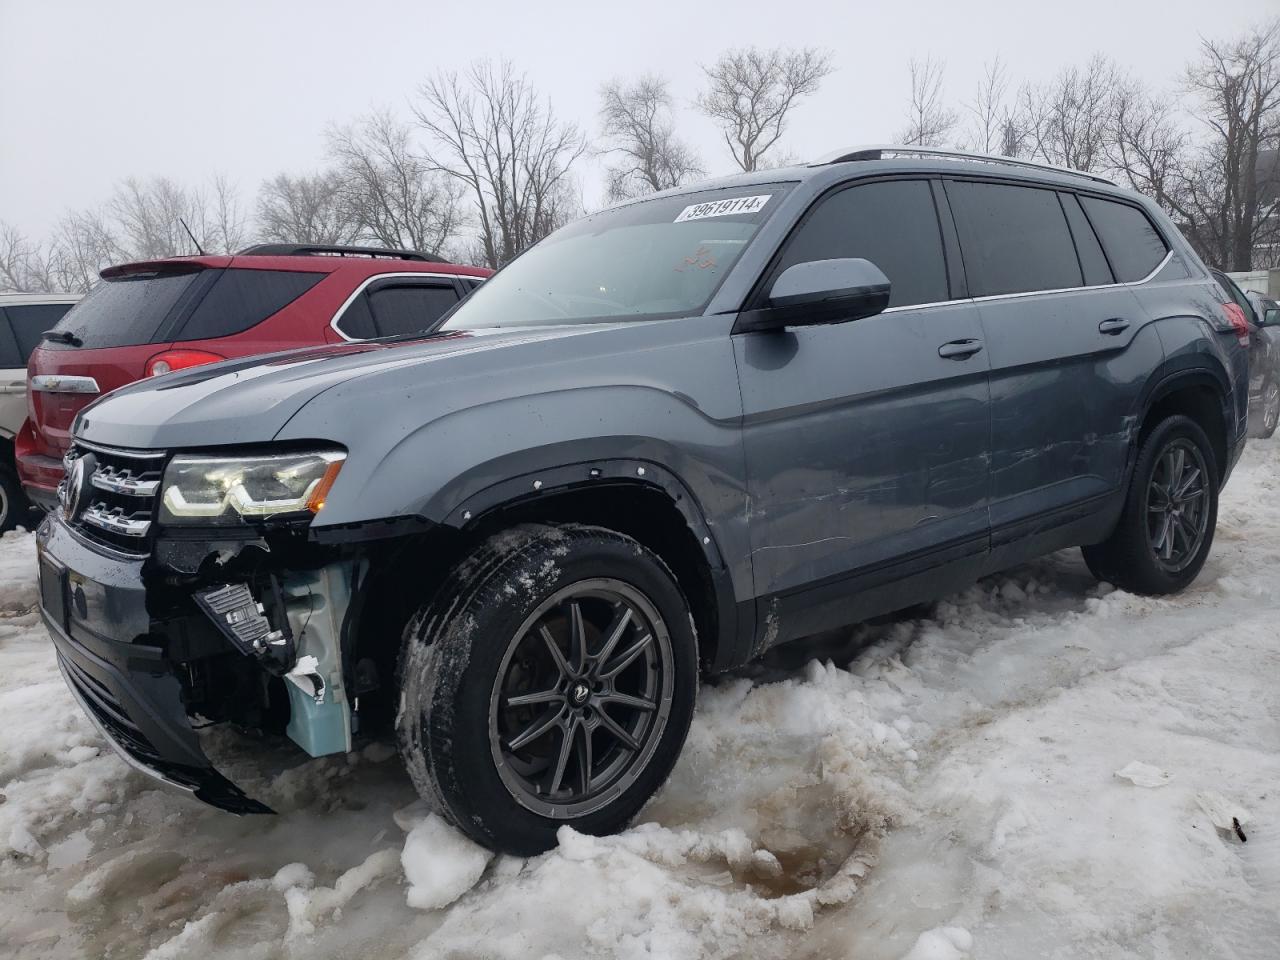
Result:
pixel 124 482
pixel 104 518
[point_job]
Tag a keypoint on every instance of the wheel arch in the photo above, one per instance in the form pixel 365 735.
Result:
pixel 1201 392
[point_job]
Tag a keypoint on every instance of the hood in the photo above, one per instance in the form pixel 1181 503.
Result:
pixel 250 400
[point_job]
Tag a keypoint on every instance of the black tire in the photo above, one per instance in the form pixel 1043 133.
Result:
pixel 14 505
pixel 1268 410
pixel 465 653
pixel 1133 558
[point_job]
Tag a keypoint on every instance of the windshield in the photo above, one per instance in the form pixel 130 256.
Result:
pixel 644 261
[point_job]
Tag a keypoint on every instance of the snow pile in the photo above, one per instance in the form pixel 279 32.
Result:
pixel 1040 767
pixel 440 864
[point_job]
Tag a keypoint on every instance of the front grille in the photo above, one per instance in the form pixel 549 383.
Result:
pixel 118 500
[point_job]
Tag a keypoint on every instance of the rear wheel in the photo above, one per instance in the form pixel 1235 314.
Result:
pixel 1269 411
pixel 1169 517
pixel 551 682
pixel 13 502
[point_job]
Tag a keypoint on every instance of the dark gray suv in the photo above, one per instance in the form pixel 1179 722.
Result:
pixel 668 437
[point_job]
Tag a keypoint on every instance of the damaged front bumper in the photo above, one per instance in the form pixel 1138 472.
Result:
pixel 94 607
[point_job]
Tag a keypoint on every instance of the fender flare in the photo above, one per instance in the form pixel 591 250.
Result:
pixel 644 474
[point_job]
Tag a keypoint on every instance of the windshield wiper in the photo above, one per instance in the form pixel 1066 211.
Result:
pixel 62 336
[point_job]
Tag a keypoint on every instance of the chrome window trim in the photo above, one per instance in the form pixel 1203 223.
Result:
pixel 1035 293
pixel 333 323
pixel 58 383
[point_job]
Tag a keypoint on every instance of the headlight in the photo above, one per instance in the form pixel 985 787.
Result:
pixel 231 490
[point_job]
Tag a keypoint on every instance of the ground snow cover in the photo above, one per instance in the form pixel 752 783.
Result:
pixel 1037 767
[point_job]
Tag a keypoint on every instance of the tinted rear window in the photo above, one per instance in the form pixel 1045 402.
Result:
pixel 126 310
pixel 1133 246
pixel 1013 239
pixel 28 322
pixel 240 299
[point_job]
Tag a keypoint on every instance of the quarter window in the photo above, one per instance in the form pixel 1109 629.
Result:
pixel 243 298
pixel 1014 239
pixel 30 320
pixel 1092 259
pixel 1133 245
pixel 892 223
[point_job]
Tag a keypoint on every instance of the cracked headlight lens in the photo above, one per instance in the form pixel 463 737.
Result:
pixel 203 490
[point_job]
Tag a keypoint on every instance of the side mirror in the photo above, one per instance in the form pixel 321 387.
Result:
pixel 821 291
pixel 1272 317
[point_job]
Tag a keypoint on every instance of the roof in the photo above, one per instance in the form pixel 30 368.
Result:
pixel 363 265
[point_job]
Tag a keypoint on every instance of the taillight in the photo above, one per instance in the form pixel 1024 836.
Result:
pixel 172 360
pixel 1239 323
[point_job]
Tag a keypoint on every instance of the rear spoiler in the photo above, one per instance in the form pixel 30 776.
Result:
pixel 169 266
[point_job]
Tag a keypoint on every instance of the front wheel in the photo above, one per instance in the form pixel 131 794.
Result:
pixel 1170 513
pixel 552 681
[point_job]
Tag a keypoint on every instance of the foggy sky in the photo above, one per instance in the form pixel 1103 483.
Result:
pixel 92 92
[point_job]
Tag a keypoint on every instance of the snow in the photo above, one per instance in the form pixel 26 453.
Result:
pixel 966 783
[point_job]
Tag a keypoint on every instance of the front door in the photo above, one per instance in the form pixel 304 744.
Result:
pixel 866 442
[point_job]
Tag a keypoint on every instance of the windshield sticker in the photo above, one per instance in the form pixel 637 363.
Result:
pixel 723 208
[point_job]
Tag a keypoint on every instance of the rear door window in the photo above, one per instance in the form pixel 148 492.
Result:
pixel 1014 239
pixel 892 223
pixel 1133 245
pixel 405 308
pixel 240 299
pixel 356 322
pixel 127 310
pixel 28 321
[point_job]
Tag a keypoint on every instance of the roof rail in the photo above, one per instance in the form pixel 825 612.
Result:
pixel 886 151
pixel 333 250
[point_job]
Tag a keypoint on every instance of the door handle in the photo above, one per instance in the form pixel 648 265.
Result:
pixel 1113 326
pixel 959 349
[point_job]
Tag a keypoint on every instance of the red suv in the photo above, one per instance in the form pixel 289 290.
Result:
pixel 149 318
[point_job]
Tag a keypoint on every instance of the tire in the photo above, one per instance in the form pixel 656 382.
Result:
pixel 1160 543
pixel 1268 410
pixel 14 505
pixel 485 643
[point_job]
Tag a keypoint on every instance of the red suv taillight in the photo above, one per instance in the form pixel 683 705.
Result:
pixel 1239 323
pixel 172 360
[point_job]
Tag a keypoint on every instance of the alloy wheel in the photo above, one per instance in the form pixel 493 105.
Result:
pixel 1178 505
pixel 581 698
pixel 1271 407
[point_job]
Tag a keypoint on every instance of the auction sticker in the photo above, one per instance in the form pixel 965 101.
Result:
pixel 723 208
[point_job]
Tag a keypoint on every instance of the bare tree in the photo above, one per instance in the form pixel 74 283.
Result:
pixel 389 190
pixel 1066 121
pixel 1147 145
pixel 1230 207
pixel 304 209
pixel 493 133
pixel 22 262
pixel 226 223
pixel 929 120
pixel 751 92
pixel 993 126
pixel 636 119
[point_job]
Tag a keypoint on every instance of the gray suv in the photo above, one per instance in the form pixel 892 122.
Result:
pixel 668 437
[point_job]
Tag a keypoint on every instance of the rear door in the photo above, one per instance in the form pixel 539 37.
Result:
pixel 867 441
pixel 1069 348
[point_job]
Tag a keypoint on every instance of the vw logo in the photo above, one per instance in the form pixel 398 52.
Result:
pixel 78 485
